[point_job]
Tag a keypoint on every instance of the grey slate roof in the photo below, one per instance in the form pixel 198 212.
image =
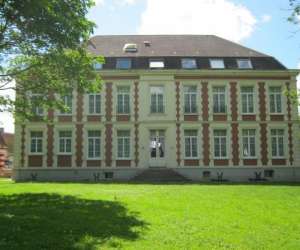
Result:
pixel 170 45
pixel 172 48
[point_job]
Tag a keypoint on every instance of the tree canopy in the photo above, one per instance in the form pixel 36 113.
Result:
pixel 42 47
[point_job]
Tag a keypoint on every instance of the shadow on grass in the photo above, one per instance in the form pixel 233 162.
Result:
pixel 50 221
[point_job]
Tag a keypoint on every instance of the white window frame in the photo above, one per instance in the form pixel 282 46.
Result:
pixel 119 60
pixel 216 63
pixel 189 94
pixel 186 61
pixel 218 94
pixel 156 94
pixel 156 63
pixel 247 95
pixel 65 101
pixel 93 139
pixel 191 138
pixel 123 140
pixel 220 144
pixel 122 95
pixel 276 94
pixel 248 137
pixel 94 104
pixel 277 137
pixel 36 140
pixel 64 139
pixel 241 61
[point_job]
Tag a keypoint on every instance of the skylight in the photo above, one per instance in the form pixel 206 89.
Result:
pixel 156 63
pixel 130 47
pixel 217 63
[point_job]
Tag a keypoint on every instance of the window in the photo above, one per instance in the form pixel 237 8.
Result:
pixel 94 103
pixel 36 105
pixel 157 99
pixel 123 63
pixel 220 146
pixel 156 63
pixel 123 99
pixel 219 100
pixel 247 100
pixel 67 101
pixel 275 99
pixel 217 63
pixel 190 99
pixel 269 173
pixel 36 142
pixel 98 66
pixel 94 144
pixel 244 64
pixel 277 136
pixel 191 143
pixel 65 142
pixel 248 143
pixel 130 47
pixel 188 63
pixel 123 137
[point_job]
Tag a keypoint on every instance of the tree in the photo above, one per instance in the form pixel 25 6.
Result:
pixel 42 47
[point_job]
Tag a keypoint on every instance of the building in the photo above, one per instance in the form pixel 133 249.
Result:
pixel 202 106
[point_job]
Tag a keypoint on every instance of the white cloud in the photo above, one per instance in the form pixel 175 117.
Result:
pixel 219 17
pixel 6 119
pixel 99 2
pixel 266 18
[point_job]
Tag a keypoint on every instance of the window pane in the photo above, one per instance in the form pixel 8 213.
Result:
pixel 156 64
pixel 217 63
pixel 244 63
pixel 123 63
pixel 188 63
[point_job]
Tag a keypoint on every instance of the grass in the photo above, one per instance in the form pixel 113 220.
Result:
pixel 140 216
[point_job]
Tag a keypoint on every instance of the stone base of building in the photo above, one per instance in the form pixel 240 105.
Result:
pixel 200 174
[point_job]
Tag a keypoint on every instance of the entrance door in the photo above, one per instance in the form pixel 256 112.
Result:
pixel 157 148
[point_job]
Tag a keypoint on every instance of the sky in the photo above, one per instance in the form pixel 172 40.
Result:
pixel 257 24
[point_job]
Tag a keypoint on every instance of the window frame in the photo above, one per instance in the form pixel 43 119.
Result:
pixel 35 108
pixel 275 100
pixel 123 95
pixel 70 113
pixel 94 144
pixel 65 138
pixel 190 138
pixel 156 60
pixel 277 156
pixel 190 95
pixel 220 156
pixel 123 139
pixel 218 94
pixel 36 140
pixel 240 60
pixel 94 104
pixel 215 60
pixel 194 64
pixel 157 100
pixel 123 59
pixel 249 136
pixel 247 94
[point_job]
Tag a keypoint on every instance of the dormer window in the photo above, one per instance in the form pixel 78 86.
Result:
pixel 130 47
pixel 188 63
pixel 217 63
pixel 244 64
pixel 123 63
pixel 156 64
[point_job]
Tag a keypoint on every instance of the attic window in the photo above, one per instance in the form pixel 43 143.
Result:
pixel 156 64
pixel 217 63
pixel 98 66
pixel 188 63
pixel 244 63
pixel 130 47
pixel 123 63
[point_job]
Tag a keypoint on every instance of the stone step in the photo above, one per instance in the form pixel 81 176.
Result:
pixel 159 175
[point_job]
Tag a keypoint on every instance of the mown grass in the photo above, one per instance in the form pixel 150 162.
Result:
pixel 144 216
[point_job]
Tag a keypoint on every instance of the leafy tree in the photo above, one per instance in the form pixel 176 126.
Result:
pixel 42 47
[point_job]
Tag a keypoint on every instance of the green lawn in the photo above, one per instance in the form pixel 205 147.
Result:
pixel 132 216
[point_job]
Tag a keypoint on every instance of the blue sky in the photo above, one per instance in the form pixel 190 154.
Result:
pixel 259 24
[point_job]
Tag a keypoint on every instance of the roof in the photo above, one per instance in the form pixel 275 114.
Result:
pixel 170 45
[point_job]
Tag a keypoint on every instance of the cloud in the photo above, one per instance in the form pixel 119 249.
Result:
pixel 266 18
pixel 6 118
pixel 99 2
pixel 219 17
